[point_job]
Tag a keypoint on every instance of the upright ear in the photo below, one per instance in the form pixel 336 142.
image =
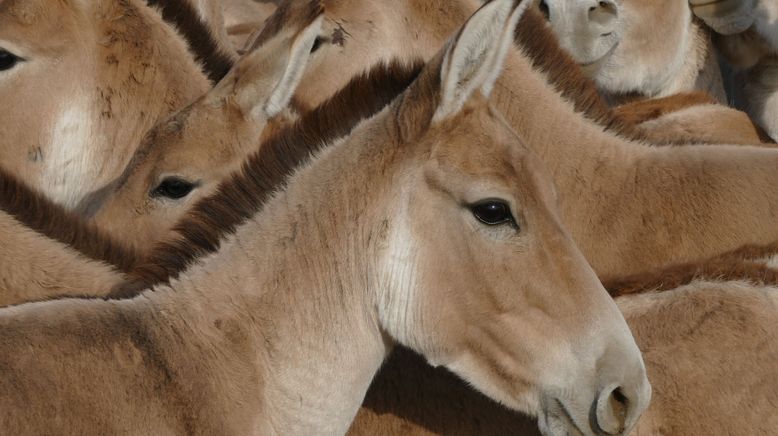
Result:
pixel 474 60
pixel 298 59
pixel 265 79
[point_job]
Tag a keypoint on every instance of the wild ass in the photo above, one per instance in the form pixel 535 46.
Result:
pixel 710 353
pixel 87 79
pixel 635 47
pixel 438 151
pixel 187 155
pixel 630 207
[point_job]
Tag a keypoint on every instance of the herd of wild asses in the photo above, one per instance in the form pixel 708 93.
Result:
pixel 375 217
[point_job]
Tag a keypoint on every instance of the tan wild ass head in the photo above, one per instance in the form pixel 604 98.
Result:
pixel 185 156
pixel 431 225
pixel 650 48
pixel 85 79
pixel 437 226
pixel 512 267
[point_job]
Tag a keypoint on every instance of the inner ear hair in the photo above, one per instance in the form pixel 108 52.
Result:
pixel 298 58
pixel 475 59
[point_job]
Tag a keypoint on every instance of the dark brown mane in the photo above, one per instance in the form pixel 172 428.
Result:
pixel 51 220
pixel 242 196
pixel 181 14
pixel 542 47
pixel 746 263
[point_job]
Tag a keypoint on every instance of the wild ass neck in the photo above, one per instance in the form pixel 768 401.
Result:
pixel 630 207
pixel 310 315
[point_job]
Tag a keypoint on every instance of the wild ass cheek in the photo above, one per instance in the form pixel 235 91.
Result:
pixel 70 166
pixel 398 279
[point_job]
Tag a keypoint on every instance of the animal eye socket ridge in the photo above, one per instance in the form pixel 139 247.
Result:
pixel 493 212
pixel 174 188
pixel 8 60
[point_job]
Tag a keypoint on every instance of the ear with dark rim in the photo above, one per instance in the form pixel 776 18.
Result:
pixel 265 79
pixel 475 59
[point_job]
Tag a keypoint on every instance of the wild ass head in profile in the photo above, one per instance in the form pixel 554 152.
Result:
pixel 185 156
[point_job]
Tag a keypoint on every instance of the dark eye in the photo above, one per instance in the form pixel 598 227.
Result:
pixel 317 44
pixel 8 60
pixel 173 187
pixel 492 212
pixel 544 9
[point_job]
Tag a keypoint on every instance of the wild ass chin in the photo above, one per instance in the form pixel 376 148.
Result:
pixel 350 258
pixel 86 80
pixel 697 324
pixel 693 339
pixel 637 48
pixel 629 207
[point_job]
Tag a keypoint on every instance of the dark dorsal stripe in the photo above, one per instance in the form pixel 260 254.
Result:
pixel 745 263
pixel 243 195
pixel 181 14
pixel 51 220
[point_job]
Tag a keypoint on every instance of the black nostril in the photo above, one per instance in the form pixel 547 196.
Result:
pixel 604 13
pixel 620 397
pixel 544 9
pixel 608 414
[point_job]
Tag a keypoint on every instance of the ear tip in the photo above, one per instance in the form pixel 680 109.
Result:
pixel 475 57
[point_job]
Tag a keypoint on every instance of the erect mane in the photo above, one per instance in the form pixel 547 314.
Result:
pixel 243 195
pixel 181 14
pixel 53 221
pixel 542 47
pixel 748 263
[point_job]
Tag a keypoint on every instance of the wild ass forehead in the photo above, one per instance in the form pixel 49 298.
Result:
pixel 35 23
pixel 26 11
pixel 477 137
pixel 484 151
